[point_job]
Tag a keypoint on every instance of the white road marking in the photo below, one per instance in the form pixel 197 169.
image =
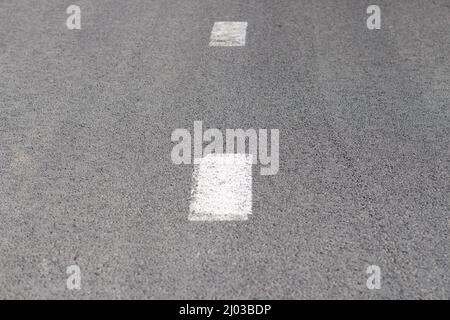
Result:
pixel 222 188
pixel 228 34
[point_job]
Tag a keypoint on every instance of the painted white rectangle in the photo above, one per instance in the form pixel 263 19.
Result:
pixel 228 34
pixel 222 188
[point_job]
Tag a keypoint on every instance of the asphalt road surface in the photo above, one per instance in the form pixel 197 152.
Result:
pixel 86 176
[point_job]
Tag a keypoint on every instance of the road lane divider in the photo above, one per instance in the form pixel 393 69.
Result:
pixel 222 188
pixel 228 34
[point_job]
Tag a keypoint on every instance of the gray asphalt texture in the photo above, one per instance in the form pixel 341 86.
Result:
pixel 86 176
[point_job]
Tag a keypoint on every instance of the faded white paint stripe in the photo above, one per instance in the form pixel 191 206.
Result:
pixel 228 34
pixel 222 188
